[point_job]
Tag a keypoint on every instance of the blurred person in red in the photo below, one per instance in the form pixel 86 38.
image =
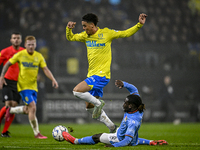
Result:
pixel 10 95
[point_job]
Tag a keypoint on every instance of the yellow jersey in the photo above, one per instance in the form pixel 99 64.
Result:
pixel 99 47
pixel 28 66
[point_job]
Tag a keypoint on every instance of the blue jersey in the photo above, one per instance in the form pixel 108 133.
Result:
pixel 128 130
pixel 129 127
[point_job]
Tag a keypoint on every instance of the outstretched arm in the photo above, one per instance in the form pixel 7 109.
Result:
pixel 142 18
pixel 48 73
pixel 71 25
pixel 130 31
pixel 130 87
pixel 70 35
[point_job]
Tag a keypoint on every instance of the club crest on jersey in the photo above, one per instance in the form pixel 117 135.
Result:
pixel 36 59
pixel 125 119
pixel 100 36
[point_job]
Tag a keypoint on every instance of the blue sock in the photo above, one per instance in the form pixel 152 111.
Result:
pixel 143 141
pixel 86 140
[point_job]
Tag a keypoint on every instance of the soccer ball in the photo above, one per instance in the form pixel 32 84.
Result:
pixel 57 133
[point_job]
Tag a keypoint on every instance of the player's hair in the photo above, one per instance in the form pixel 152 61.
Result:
pixel 29 37
pixel 16 33
pixel 90 17
pixel 137 101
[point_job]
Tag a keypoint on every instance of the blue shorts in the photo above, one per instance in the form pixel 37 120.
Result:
pixel 28 96
pixel 97 84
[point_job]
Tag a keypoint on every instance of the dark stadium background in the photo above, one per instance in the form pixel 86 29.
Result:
pixel 168 44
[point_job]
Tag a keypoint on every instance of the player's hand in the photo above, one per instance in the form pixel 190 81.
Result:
pixel 2 81
pixel 71 24
pixel 109 145
pixel 55 84
pixel 119 84
pixel 142 18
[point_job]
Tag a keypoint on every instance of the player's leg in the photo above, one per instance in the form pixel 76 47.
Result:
pixel 90 140
pixel 103 118
pixel 8 118
pixel 2 113
pixel 18 110
pixel 30 101
pixel 142 141
pixel 11 98
pixel 6 96
pixel 81 91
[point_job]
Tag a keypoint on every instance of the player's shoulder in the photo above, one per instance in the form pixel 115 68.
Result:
pixel 38 54
pixel 7 49
pixel 22 51
pixel 106 29
pixel 82 33
pixel 21 48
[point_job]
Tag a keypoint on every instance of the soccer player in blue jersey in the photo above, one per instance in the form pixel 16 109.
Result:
pixel 127 133
pixel 98 42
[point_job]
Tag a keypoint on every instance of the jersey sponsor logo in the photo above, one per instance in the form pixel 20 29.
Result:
pixel 29 65
pixel 94 44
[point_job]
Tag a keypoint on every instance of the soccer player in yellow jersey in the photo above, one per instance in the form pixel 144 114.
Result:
pixel 98 43
pixel 29 62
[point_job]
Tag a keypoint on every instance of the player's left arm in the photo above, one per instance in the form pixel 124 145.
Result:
pixel 125 142
pixel 48 73
pixel 129 32
pixel 130 87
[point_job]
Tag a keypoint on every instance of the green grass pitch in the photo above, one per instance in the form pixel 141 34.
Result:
pixel 182 136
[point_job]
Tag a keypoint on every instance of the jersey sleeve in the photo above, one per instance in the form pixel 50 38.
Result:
pixel 126 33
pixel 131 88
pixel 74 37
pixel 124 142
pixel 15 58
pixel 42 62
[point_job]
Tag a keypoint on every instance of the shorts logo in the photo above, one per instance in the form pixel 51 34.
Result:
pixel 93 79
pixel 113 137
pixel 26 99
pixel 6 97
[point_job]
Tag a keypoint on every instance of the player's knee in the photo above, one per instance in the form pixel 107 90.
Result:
pixel 77 94
pixel 25 110
pixel 96 137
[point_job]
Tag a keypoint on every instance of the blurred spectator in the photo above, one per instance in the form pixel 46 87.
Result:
pixel 167 100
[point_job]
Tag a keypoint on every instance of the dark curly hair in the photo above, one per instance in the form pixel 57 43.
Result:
pixel 90 17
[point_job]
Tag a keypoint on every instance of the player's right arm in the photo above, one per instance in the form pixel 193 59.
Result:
pixel 3 72
pixel 70 35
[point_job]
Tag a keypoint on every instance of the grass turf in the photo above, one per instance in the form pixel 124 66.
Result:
pixel 182 136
